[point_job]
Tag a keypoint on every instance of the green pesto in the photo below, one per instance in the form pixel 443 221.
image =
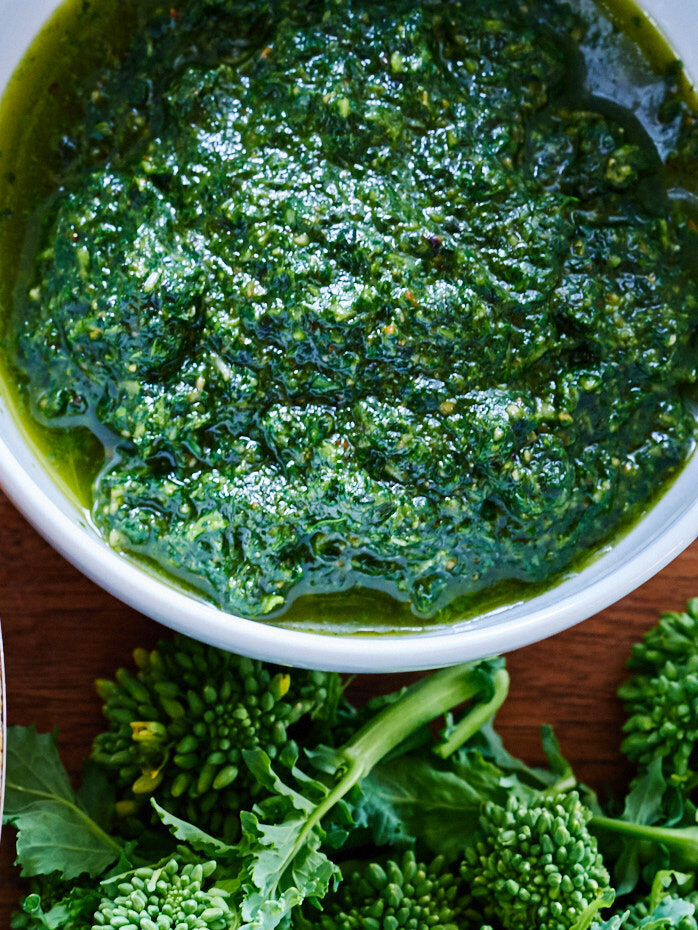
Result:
pixel 364 293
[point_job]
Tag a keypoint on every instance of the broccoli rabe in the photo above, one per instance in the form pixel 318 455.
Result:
pixel 495 844
pixel 170 897
pixel 535 865
pixel 527 837
pixel 178 727
pixel 391 895
pixel 284 855
pixel 284 837
pixel 661 698
pixel 173 895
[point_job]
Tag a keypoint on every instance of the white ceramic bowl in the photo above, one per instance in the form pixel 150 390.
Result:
pixel 666 529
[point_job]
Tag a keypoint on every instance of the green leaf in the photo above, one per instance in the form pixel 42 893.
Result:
pixel 283 864
pixel 259 763
pixel 96 794
pixel 409 799
pixel 74 910
pixel 558 763
pixel 644 801
pixel 55 832
pixel 194 837
pixel 640 844
pixel 671 912
pixel 643 805
pixel 377 814
pixel 489 743
pixel 34 770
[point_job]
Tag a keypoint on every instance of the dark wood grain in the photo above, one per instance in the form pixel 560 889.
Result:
pixel 61 631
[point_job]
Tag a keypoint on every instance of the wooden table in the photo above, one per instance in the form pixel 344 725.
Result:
pixel 61 631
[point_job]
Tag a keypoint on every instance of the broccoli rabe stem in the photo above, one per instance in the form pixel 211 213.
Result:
pixel 422 703
pixel 682 841
pixel 477 717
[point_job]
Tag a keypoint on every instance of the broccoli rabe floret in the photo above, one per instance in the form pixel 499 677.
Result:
pixel 661 698
pixel 535 864
pixel 391 895
pixel 178 727
pixel 172 897
pixel 674 637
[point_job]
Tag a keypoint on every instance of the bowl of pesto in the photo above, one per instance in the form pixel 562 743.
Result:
pixel 359 335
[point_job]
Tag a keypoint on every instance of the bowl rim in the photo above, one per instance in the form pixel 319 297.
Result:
pixel 386 652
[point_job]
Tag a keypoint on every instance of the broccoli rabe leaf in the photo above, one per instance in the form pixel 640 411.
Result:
pixel 96 794
pixel 56 832
pixel 408 798
pixel 72 912
pixel 34 770
pixel 514 774
pixel 489 743
pixel 193 836
pixel 270 871
pixel 642 805
pixel 282 863
pixel 559 765
pixel 671 912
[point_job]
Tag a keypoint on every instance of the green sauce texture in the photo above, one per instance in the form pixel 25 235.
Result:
pixel 365 293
